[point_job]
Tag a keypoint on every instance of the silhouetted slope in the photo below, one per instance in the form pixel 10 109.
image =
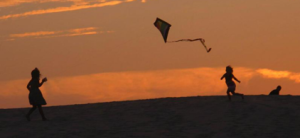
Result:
pixel 199 117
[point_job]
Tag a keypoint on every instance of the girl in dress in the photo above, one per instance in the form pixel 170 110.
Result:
pixel 230 83
pixel 36 98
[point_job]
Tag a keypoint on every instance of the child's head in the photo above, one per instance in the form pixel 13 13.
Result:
pixel 229 69
pixel 35 74
pixel 278 87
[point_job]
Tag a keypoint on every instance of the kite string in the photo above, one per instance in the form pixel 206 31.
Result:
pixel 191 40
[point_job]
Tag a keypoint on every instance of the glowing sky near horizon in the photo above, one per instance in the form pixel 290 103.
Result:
pixel 109 50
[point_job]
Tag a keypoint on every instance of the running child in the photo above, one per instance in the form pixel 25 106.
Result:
pixel 230 83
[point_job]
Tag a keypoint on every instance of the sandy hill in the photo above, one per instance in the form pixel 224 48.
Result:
pixel 187 117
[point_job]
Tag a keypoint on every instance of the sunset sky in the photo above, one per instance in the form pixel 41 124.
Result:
pixel 109 50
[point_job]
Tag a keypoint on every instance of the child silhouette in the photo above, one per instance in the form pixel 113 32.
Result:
pixel 276 91
pixel 230 83
pixel 36 98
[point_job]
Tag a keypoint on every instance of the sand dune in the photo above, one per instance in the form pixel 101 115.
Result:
pixel 187 117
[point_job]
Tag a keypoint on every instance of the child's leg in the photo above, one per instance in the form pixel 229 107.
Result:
pixel 41 112
pixel 228 94
pixel 242 95
pixel 30 111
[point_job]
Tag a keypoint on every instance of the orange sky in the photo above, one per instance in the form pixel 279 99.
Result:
pixel 100 50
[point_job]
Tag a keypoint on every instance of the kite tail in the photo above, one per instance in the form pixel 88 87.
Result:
pixel 207 50
pixel 191 40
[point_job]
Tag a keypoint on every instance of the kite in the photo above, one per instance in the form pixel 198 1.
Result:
pixel 164 28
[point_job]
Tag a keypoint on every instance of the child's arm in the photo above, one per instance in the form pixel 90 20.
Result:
pixel 222 77
pixel 44 80
pixel 29 85
pixel 235 78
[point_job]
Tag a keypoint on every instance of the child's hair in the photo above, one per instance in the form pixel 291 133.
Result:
pixel 229 69
pixel 35 73
pixel 278 87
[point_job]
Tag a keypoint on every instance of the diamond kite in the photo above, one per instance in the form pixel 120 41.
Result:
pixel 164 28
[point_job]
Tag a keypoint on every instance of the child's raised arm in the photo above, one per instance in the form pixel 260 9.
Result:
pixel 44 80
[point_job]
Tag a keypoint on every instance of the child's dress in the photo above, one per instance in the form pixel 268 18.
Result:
pixel 36 97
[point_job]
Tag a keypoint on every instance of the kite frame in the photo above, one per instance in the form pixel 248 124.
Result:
pixel 167 31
